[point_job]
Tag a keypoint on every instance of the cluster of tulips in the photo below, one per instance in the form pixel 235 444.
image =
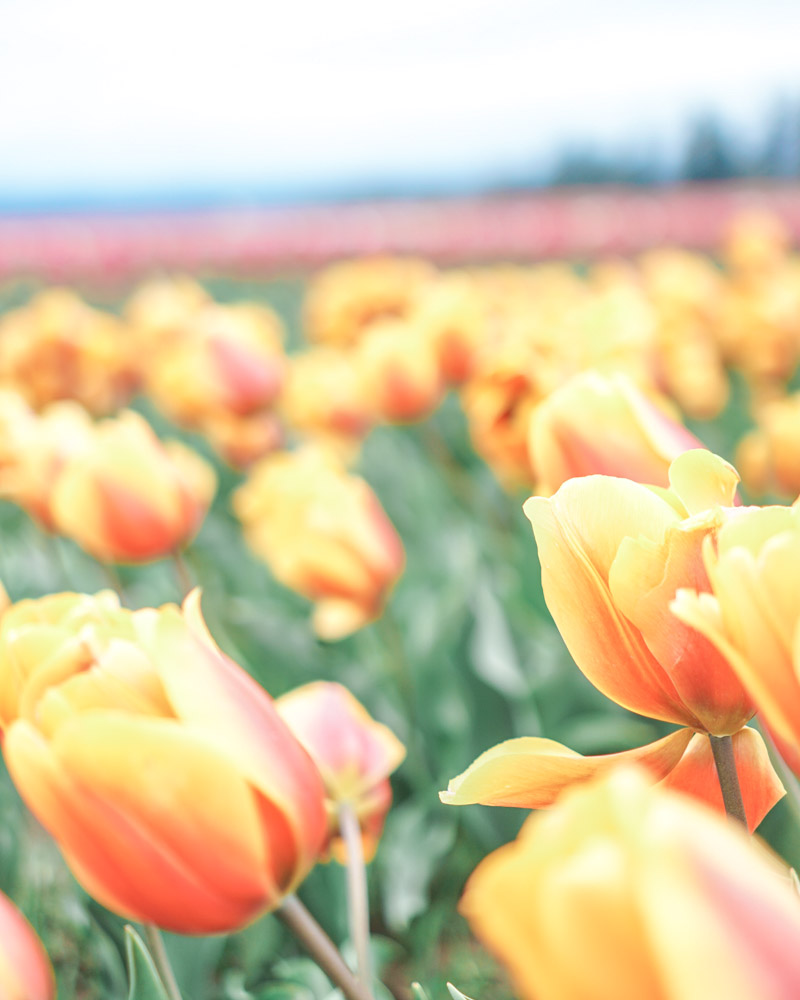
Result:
pixel 137 742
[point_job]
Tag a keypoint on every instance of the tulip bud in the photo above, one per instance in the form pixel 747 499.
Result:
pixel 623 891
pixel 323 533
pixel 604 424
pixel 25 970
pixel 354 753
pixel 159 309
pixel 127 497
pixel 174 790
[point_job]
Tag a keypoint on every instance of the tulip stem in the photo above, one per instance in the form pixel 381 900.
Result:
pixel 155 944
pixel 357 894
pixel 182 571
pixel 722 749
pixel 324 952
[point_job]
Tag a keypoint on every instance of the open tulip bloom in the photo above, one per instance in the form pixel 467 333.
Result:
pixel 614 553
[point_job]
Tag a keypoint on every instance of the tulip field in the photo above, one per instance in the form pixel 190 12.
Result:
pixel 395 630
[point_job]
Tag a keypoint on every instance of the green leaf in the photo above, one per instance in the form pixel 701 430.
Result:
pixel 418 992
pixel 456 994
pixel 145 982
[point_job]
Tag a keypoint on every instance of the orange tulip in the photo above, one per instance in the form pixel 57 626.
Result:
pixel 127 497
pixel 175 791
pixel 625 892
pixel 159 309
pixel 25 970
pixel 354 753
pixel 604 424
pixel 753 615
pixel 323 533
pixel 614 553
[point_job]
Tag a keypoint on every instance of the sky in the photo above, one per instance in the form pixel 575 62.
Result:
pixel 248 96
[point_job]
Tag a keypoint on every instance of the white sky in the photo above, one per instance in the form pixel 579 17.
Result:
pixel 115 96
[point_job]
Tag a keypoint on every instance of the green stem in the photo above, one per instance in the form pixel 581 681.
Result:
pixel 324 952
pixel 357 894
pixel 183 573
pixel 155 943
pixel 722 749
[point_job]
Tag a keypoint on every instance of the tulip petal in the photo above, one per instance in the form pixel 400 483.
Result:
pixel 578 532
pixel 643 579
pixel 696 775
pixel 154 823
pixel 217 698
pixel 703 480
pixel 738 937
pixel 531 772
pixel 25 970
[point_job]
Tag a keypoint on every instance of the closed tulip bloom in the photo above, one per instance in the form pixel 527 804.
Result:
pixel 769 456
pixel 228 359
pixel 128 497
pixel 604 424
pixel 354 753
pixel 400 371
pixel 25 970
pixel 614 553
pixel 626 892
pixel 324 534
pixel 38 448
pixel 752 615
pixel 175 791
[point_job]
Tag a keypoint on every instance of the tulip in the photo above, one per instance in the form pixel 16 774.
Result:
pixel 400 371
pixel 752 616
pixel 228 360
pixel 175 791
pixel 603 424
pixel 768 456
pixel 25 970
pixel 323 533
pixel 325 396
pixel 243 440
pixel 346 297
pixel 613 554
pixel 57 347
pixel 127 497
pixel 159 309
pixel 626 892
pixel 354 753
pixel 453 316
pixel 38 447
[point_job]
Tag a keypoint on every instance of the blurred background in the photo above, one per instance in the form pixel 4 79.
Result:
pixel 248 135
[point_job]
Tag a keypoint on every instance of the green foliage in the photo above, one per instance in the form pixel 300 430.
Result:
pixel 145 982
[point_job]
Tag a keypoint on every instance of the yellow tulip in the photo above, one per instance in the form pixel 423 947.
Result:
pixel 323 533
pixel 604 424
pixel 128 497
pixel 626 892
pixel 614 553
pixel 175 791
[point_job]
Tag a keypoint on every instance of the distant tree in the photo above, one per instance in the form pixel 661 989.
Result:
pixel 779 155
pixel 711 154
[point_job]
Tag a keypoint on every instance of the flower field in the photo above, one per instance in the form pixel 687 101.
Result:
pixel 318 586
